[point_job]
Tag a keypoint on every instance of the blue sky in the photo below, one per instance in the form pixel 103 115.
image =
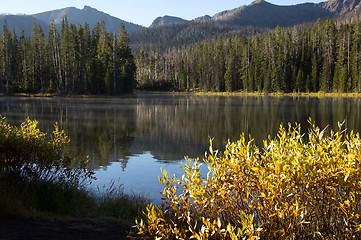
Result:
pixel 141 12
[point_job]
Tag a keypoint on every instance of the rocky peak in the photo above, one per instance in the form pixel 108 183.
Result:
pixel 166 20
pixel 341 6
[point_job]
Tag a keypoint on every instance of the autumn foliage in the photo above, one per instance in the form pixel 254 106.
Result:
pixel 27 152
pixel 297 186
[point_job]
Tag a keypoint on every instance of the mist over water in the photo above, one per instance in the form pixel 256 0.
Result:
pixel 129 139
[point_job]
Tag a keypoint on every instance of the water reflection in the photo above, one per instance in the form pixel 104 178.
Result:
pixel 140 177
pixel 170 126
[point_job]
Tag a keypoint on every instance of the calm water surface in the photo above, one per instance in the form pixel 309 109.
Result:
pixel 128 140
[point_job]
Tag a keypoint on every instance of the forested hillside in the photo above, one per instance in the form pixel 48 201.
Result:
pixel 76 60
pixel 324 56
pixel 232 51
pixel 188 33
pixel 259 16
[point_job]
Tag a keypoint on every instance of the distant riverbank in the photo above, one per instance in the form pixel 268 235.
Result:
pixel 241 93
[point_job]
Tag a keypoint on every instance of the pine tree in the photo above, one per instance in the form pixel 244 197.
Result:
pixel 355 57
pixel 230 76
pixel 54 58
pixel 220 66
pixel 37 59
pixel 126 69
pixel 329 30
pixel 299 81
pixel 5 59
pixel 24 46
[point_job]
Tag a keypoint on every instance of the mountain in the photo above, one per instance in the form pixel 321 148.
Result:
pixel 18 22
pixel 264 14
pixel 87 14
pixel 341 7
pixel 348 10
pixel 203 18
pixel 258 16
pixel 166 20
pixel 74 15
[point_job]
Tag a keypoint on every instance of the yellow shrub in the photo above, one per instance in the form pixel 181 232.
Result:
pixel 28 152
pixel 294 188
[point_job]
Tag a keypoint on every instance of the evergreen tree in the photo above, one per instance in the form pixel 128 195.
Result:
pixel 355 57
pixel 5 51
pixel 37 73
pixel 54 59
pixel 124 76
pixel 24 47
pixel 328 59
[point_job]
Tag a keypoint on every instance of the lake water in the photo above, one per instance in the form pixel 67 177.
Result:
pixel 128 140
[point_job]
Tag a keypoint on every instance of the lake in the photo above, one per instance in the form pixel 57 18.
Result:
pixel 129 139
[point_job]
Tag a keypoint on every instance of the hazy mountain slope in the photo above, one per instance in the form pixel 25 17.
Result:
pixel 166 20
pixel 74 15
pixel 245 19
pixel 259 15
pixel 254 17
pixel 18 22
pixel 263 14
pixel 87 14
pixel 167 36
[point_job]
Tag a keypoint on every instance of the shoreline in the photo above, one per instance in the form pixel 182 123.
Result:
pixel 133 94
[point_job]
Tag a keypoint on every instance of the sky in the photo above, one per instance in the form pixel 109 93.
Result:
pixel 141 12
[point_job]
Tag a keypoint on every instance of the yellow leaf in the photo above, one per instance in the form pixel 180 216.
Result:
pixel 272 215
pixel 343 208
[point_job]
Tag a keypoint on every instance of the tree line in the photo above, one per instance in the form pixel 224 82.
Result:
pixel 76 60
pixel 324 56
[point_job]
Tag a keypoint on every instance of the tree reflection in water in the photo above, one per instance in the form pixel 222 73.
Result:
pixel 170 126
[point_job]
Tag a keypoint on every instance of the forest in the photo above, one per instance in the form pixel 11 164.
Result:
pixel 188 33
pixel 324 56
pixel 76 60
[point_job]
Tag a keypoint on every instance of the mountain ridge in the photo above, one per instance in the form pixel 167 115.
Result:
pixel 18 22
pixel 259 14
pixel 74 15
pixel 264 14
pixel 341 6
pixel 87 14
pixel 166 20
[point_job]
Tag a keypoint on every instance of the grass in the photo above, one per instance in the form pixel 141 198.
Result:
pixel 24 198
pixel 238 93
pixel 295 94
pixel 57 95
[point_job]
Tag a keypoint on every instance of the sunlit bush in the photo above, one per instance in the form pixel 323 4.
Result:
pixel 38 176
pixel 295 187
pixel 28 152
